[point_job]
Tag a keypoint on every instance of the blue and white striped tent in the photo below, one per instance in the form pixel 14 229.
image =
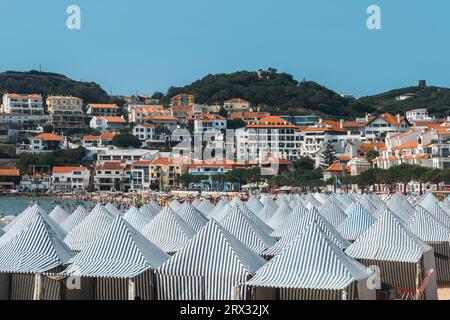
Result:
pixel 119 254
pixel 205 207
pixel 236 202
pixel 135 218
pixel 357 222
pixel 437 212
pixel 437 235
pixel 194 218
pixel 300 226
pixel 58 214
pixel 18 219
pixel 428 201
pixel 209 267
pixel 345 199
pixel 332 213
pixel 247 231
pixel 34 249
pixel 90 228
pixel 111 207
pixel 282 213
pixel 400 198
pixel 310 199
pixel 296 215
pixel 396 251
pixel 311 267
pixel 445 205
pixel 155 206
pixel 398 207
pixel 74 219
pixel 368 203
pixel 261 224
pixel 196 203
pixel 175 205
pixel 168 231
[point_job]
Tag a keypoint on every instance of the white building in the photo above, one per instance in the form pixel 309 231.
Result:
pixel 27 104
pixel 144 132
pixel 236 105
pixel 209 123
pixel 104 124
pixel 35 183
pixel 126 155
pixel 44 142
pixel 70 178
pixel 418 115
pixel 104 110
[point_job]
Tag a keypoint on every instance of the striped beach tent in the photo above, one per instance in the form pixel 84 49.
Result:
pixel 310 199
pixel 121 257
pixel 247 231
pixel 345 199
pixel 156 207
pixel 236 202
pixel 400 198
pixel 268 200
pixel 24 219
pixel 35 249
pixel 196 203
pixel 175 205
pixel 168 231
pixel 357 222
pixel 254 205
pixel 74 219
pixel 296 215
pixel 400 256
pixel 300 226
pixel 18 219
pixel 321 197
pixel 209 267
pixel 282 213
pixel 219 206
pixel 437 235
pixel 219 213
pixel 266 213
pixel 193 217
pixel 261 224
pixel 205 207
pixel 90 228
pixel 311 268
pixel 437 212
pixel 428 201
pixel 398 209
pixel 58 214
pixel 332 213
pixel 135 218
pixel 148 211
pixel 445 205
pixel 368 203
pixel 111 207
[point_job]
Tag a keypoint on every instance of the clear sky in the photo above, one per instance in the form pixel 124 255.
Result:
pixel 149 45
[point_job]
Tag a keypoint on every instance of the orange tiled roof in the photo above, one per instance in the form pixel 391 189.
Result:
pixel 366 146
pixel 227 164
pixel 162 118
pixel 25 96
pixel 335 167
pixel 111 165
pixel 167 161
pixel 271 122
pixel 48 137
pixel 9 172
pixel 392 120
pixel 236 100
pixel 142 163
pixel 113 119
pixel 345 158
pixel 408 145
pixel 67 169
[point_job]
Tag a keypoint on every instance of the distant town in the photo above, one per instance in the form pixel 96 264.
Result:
pixel 143 146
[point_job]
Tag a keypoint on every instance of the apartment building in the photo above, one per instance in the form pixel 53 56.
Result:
pixel 209 123
pixel 112 176
pixel 44 142
pixel 102 141
pixel 145 132
pixel 236 105
pixel 66 112
pixel 105 124
pixel 126 155
pixel 26 104
pixel 103 110
pixel 70 178
pixel 138 113
pixel 36 182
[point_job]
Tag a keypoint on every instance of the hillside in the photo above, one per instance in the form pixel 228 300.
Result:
pixel 436 100
pixel 51 83
pixel 275 92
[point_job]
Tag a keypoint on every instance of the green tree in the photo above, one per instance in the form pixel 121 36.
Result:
pixel 222 112
pixel 48 129
pixel 235 124
pixel 328 156
pixel 304 163
pixel 126 140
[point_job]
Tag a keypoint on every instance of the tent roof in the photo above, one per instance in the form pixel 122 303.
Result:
pixel 135 218
pixel 58 214
pixel 194 218
pixel 357 222
pixel 75 218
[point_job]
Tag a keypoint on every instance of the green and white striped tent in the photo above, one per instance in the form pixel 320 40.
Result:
pixel 437 235
pixel 74 219
pixel 175 205
pixel 120 259
pixel 217 209
pixel 401 256
pixel 296 215
pixel 209 267
pixel 193 217
pixel 205 207
pixel 332 213
pixel 428 201
pixel 247 231
pixel 168 231
pixel 58 214
pixel 135 218
pixel 112 208
pixel 283 211
pixel 90 228
pixel 357 222
pixel 311 267
pixel 440 214
pixel 32 249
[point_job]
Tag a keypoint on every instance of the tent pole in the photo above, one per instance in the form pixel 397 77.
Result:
pixel 131 289
pixel 37 286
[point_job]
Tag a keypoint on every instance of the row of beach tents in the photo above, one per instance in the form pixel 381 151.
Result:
pixel 292 247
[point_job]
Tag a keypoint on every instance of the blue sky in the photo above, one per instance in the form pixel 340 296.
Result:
pixel 149 45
